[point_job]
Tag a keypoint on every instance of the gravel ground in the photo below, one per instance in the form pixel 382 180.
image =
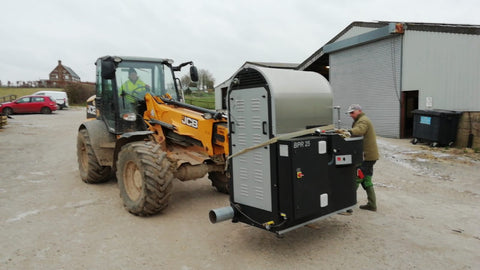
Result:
pixel 428 216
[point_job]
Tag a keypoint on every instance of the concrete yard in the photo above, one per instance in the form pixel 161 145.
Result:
pixel 428 216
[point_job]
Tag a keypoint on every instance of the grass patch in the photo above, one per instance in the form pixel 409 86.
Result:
pixel 204 100
pixel 200 99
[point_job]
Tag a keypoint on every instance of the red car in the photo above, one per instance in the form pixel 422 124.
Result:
pixel 29 104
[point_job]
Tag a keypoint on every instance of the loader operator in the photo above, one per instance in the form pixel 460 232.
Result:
pixel 362 126
pixel 133 87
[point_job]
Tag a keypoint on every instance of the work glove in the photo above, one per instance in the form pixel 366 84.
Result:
pixel 343 132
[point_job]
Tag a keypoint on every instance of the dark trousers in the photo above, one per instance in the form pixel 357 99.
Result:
pixel 367 169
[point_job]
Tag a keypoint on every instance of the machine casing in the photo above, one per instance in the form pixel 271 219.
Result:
pixel 315 176
pixel 294 181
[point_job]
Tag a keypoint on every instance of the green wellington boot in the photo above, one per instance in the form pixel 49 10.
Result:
pixel 372 200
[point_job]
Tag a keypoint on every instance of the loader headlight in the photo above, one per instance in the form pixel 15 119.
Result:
pixel 129 117
pixel 207 116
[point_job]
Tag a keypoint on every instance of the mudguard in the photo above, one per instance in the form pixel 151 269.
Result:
pixel 102 141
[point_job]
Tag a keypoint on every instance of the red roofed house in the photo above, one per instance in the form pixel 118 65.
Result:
pixel 62 74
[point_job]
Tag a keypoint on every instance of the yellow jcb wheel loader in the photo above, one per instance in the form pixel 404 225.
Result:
pixel 139 129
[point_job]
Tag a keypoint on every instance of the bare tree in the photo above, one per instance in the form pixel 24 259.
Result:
pixel 186 81
pixel 205 79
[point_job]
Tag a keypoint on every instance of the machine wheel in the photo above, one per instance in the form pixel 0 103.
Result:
pixel 414 141
pixel 90 171
pixel 144 177
pixel 219 181
pixel 45 110
pixel 7 111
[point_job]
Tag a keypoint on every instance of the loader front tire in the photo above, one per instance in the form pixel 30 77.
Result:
pixel 90 170
pixel 219 181
pixel 144 177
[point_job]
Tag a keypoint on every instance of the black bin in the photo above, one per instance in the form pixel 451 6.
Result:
pixel 438 127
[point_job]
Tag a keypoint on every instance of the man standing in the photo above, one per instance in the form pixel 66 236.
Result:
pixel 362 126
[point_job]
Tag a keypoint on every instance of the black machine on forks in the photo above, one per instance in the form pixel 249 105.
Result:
pixel 288 167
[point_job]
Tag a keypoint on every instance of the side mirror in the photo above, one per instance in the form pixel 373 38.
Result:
pixel 108 70
pixel 193 74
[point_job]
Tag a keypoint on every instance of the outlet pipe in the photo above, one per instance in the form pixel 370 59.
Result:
pixel 339 122
pixel 221 214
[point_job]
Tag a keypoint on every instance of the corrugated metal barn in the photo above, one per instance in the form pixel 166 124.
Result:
pixel 394 68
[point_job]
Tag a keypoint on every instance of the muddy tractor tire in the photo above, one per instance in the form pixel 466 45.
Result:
pixel 144 176
pixel 90 170
pixel 219 181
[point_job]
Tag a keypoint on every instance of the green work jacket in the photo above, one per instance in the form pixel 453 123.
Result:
pixel 129 86
pixel 362 126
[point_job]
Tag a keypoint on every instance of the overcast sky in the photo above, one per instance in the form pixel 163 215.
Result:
pixel 218 35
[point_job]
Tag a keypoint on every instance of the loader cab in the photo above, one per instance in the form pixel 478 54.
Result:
pixel 120 93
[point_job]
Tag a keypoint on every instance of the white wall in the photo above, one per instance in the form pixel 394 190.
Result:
pixel 443 66
pixel 370 76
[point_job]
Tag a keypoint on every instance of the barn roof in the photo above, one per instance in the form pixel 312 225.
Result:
pixel 320 57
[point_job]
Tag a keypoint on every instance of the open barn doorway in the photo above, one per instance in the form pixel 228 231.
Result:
pixel 409 103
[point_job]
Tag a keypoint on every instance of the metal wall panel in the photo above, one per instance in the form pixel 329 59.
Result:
pixel 252 185
pixel 444 67
pixel 370 76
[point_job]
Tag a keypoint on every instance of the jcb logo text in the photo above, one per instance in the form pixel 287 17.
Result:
pixel 190 122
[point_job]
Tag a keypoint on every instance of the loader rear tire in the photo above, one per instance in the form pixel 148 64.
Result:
pixel 144 177
pixel 90 170
pixel 219 181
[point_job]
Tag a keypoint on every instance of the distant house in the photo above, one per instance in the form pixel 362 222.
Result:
pixel 62 74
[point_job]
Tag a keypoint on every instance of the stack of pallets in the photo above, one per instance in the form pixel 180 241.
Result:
pixel 3 120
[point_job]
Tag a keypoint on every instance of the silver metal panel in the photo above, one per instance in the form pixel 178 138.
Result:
pixel 370 76
pixel 444 67
pixel 355 31
pixel 313 220
pixel 299 99
pixel 371 36
pixel 251 171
